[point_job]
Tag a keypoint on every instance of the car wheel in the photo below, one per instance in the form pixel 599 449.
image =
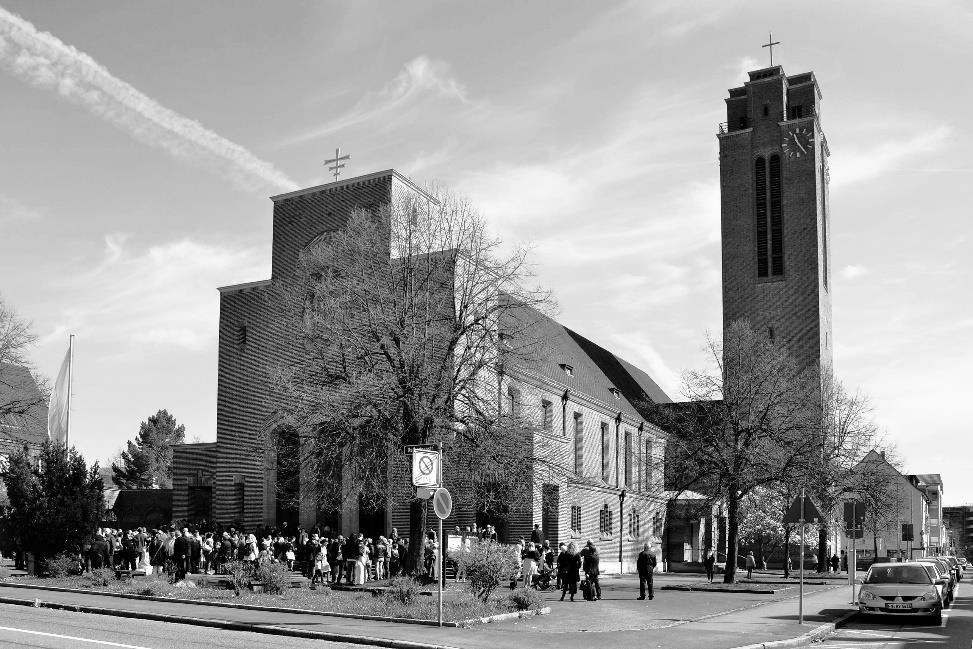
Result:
pixel 937 617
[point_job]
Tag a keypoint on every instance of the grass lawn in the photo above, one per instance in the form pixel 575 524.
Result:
pixel 458 606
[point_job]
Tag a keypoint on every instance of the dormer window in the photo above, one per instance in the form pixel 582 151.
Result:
pixel 567 369
pixel 615 393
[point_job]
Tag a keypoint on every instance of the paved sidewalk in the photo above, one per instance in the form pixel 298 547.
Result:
pixel 673 619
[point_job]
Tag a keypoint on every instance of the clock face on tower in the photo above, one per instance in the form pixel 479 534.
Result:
pixel 798 142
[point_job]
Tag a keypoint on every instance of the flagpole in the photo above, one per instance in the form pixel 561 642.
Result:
pixel 67 432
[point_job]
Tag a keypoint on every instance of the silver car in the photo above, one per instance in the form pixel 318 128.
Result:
pixel 900 589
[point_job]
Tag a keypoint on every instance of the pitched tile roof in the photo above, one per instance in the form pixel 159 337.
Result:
pixel 595 371
pixel 17 388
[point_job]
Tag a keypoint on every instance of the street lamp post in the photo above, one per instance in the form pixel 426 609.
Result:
pixel 621 523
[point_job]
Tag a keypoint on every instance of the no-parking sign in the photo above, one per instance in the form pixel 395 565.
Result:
pixel 426 468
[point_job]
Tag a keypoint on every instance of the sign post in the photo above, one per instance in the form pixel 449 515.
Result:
pixel 442 504
pixel 427 478
pixel 801 512
pixel 855 529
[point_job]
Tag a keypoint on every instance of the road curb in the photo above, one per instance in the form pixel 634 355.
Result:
pixel 228 625
pixel 461 624
pixel 817 633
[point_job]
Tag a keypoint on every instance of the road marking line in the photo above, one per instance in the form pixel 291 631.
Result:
pixel 71 637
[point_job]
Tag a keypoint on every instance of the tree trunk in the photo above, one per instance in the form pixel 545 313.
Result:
pixel 823 547
pixel 732 536
pixel 417 535
pixel 787 551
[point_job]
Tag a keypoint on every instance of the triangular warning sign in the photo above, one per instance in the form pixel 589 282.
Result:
pixel 811 513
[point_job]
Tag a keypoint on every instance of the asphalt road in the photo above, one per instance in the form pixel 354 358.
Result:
pixel 955 631
pixel 22 626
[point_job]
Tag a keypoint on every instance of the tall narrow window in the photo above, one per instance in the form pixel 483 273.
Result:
pixel 760 215
pixel 649 477
pixel 605 450
pixel 628 458
pixel 547 415
pixel 776 219
pixel 513 406
pixel 578 444
pixel 824 223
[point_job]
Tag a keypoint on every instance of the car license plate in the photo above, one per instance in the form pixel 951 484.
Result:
pixel 893 607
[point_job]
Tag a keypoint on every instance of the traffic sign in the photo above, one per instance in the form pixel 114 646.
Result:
pixel 810 515
pixel 442 502
pixel 426 468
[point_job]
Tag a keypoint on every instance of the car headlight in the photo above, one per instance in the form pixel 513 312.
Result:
pixel 865 595
pixel 929 595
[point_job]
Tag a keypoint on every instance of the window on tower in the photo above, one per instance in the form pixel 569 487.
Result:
pixel 760 215
pixel 797 111
pixel 776 219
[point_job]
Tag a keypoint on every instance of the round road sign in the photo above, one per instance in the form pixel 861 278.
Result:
pixel 442 502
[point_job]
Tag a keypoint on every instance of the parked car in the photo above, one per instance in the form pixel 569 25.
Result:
pixel 940 570
pixel 957 568
pixel 901 589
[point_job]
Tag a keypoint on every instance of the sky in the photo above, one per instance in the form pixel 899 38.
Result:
pixel 139 143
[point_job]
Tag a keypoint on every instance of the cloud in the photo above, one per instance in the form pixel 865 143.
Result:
pixel 418 78
pixel 44 61
pixel 163 296
pixel 850 166
pixel 13 211
pixel 853 271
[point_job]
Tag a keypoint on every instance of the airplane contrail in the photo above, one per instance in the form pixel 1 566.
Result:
pixel 45 61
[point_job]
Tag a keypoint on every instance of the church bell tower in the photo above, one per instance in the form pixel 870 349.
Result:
pixel 775 229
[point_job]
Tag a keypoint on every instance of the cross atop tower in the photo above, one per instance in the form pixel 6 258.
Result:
pixel 337 163
pixel 770 43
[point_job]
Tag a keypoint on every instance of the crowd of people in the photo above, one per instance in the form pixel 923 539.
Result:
pixel 323 558
pixel 328 559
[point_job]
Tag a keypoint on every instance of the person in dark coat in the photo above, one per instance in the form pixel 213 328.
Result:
pixel 195 553
pixel 537 536
pixel 710 564
pixel 562 549
pixel 591 567
pixel 569 566
pixel 182 554
pixel 98 555
pixel 646 566
pixel 835 563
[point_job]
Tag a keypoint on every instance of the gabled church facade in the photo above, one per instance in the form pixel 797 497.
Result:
pixel 579 406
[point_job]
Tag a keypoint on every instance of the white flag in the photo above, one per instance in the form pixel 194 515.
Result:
pixel 57 412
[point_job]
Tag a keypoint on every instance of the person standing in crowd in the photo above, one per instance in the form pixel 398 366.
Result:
pixel 646 567
pixel 562 550
pixel 569 565
pixel 382 558
pixel 536 535
pixel 182 554
pixel 98 556
pixel 531 559
pixel 195 551
pixel 751 563
pixel 592 568
pixel 710 564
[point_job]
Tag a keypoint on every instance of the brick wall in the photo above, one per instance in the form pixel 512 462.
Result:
pixel 798 305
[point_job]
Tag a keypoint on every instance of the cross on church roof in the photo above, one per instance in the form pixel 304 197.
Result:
pixel 337 163
pixel 770 43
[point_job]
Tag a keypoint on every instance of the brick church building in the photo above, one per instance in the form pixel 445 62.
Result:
pixel 589 404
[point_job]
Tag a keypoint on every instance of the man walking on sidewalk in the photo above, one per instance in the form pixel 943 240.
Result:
pixel 646 566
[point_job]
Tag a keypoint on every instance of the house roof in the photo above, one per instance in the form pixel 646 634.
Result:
pixel 595 371
pixel 930 478
pixel 23 410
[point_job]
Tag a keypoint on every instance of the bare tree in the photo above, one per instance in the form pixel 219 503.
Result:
pixel 404 319
pixel 18 398
pixel 848 433
pixel 749 423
